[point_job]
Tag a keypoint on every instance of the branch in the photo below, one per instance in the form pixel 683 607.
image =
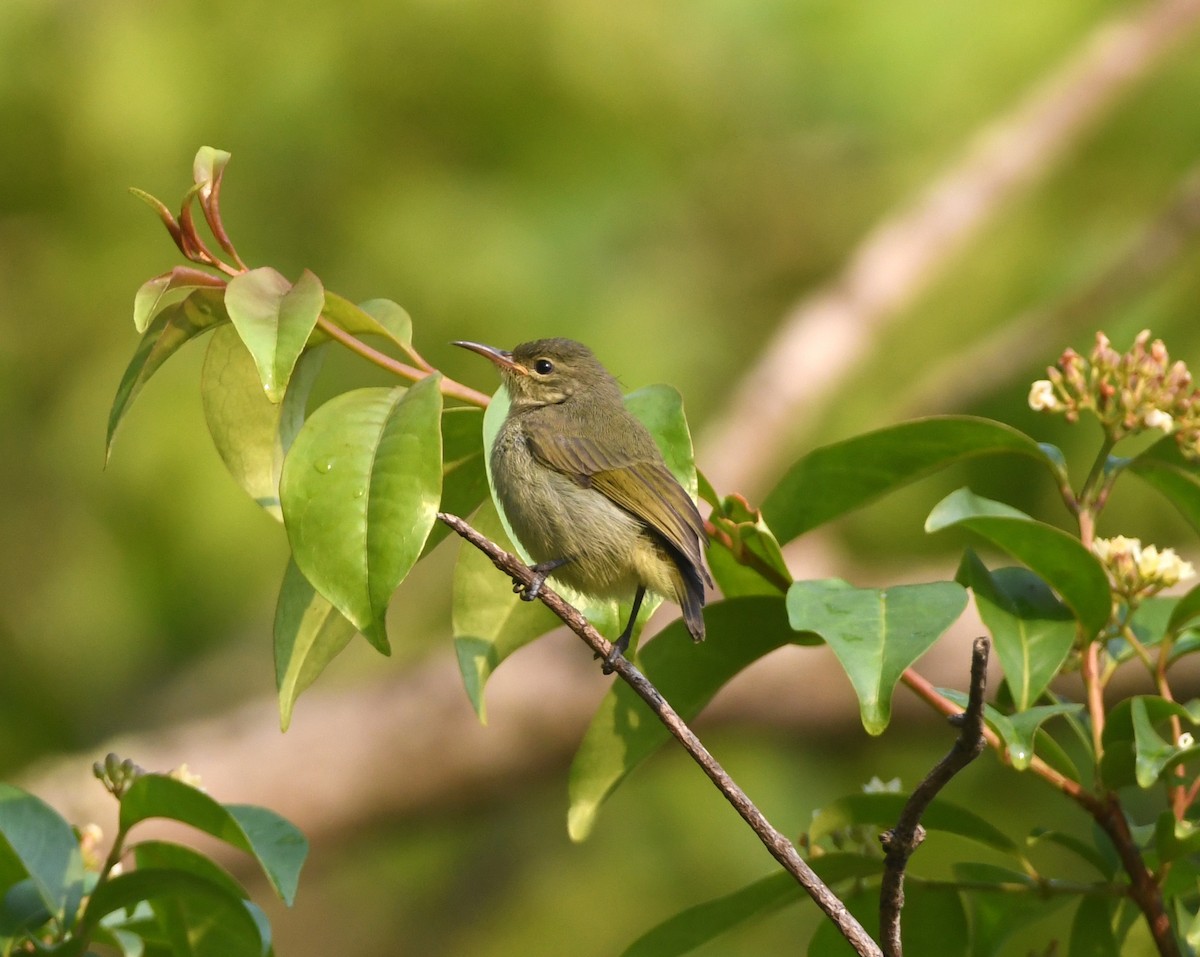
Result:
pixel 776 843
pixel 901 841
pixel 825 334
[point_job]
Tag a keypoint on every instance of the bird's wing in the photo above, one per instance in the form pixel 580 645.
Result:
pixel 644 487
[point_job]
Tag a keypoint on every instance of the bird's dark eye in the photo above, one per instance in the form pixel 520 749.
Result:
pixel 543 367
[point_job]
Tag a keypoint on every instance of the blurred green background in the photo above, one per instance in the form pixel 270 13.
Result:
pixel 663 181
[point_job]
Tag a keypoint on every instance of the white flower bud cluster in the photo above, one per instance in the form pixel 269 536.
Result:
pixel 1138 570
pixel 1128 392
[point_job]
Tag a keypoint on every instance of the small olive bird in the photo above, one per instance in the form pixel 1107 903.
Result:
pixel 586 489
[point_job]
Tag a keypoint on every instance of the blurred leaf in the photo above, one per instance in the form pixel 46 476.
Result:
pixel 836 479
pixel 360 490
pixel 995 915
pixel 875 633
pixel 166 855
pixel 275 843
pixel 171 328
pixel 744 557
pixel 1059 558
pixel 934 922
pixel 464 477
pixel 1073 844
pixel 883 809
pixel 1130 753
pixel 252 434
pixel 624 731
pixel 35 842
pixel 1175 839
pixel 375 317
pixel 274 319
pixel 490 620
pixel 697 925
pixel 22 910
pixel 309 633
pixel 1152 753
pixel 1186 610
pixel 1164 467
pixel 1091 930
pixel 169 289
pixel 1031 629
pixel 211 921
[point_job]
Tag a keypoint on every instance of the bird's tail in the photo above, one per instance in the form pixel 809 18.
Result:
pixel 691 600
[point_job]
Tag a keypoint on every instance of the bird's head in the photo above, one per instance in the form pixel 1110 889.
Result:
pixel 547 371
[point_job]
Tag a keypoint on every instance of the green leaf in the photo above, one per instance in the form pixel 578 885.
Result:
pixel 883 809
pixel 35 842
pixel 208 920
pixel 376 317
pixel 1018 731
pixel 875 633
pixel 208 166
pixel 490 620
pixel 934 923
pixel 1175 839
pixel 831 481
pixel 169 289
pixel 1133 750
pixel 1031 629
pixel 166 855
pixel 698 925
pixel 624 731
pixel 171 328
pixel 1073 844
pixel 995 915
pixel 274 319
pixel 252 434
pixel 1091 931
pixel 1186 610
pixel 309 633
pixel 1061 561
pixel 275 843
pixel 464 477
pixel 360 490
pixel 1164 467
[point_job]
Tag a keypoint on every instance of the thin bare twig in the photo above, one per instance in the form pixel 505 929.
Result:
pixel 902 840
pixel 776 843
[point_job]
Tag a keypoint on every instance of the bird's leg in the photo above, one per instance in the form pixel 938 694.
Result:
pixel 541 571
pixel 622 643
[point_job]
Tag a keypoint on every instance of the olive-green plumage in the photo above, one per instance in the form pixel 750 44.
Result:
pixel 586 489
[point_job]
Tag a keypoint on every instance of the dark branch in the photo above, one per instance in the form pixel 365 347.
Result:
pixel 901 841
pixel 776 843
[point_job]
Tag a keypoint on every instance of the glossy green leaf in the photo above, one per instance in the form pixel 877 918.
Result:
pixel 309 633
pixel 1020 730
pixel 35 842
pixel 1164 467
pixel 1133 751
pixel 167 290
pixel 274 319
pixel 375 317
pixel 170 329
pixel 624 731
pixel 164 854
pixel 252 434
pixel 698 925
pixel 489 619
pixel 875 633
pixel 464 477
pixel 883 809
pixel 205 919
pixel 831 481
pixel 360 491
pixel 745 558
pixel 1032 631
pixel 1057 557
pixel 1091 930
pixel 275 843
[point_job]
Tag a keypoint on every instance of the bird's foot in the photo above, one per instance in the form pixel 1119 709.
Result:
pixel 541 571
pixel 619 647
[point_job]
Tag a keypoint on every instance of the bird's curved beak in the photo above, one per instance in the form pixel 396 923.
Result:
pixel 500 357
